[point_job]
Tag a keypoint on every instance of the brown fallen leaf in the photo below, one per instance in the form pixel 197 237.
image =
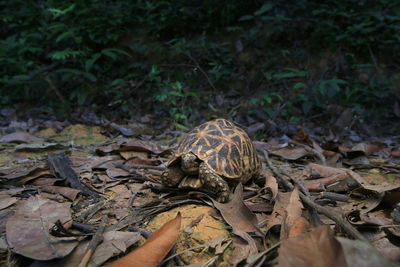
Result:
pixel 293 212
pixel 364 148
pixel 142 161
pixel 236 213
pixel 290 153
pixel 359 253
pixel 155 248
pixel 278 213
pixel 134 154
pixel 28 229
pixel 325 171
pixel 270 182
pixel 7 201
pixel 38 147
pixel 20 137
pixel 242 249
pixel 114 243
pixel 299 226
pixel 316 248
pixel 67 192
pixel 379 188
pixel 320 184
pixel 146 146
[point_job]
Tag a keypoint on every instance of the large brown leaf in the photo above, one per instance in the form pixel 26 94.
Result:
pixel 359 253
pixel 28 229
pixel 314 249
pixel 114 243
pixel 155 248
pixel 294 223
pixel 236 213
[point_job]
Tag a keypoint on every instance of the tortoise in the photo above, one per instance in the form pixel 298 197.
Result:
pixel 213 156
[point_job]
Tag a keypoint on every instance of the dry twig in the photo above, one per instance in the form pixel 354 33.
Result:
pixel 97 238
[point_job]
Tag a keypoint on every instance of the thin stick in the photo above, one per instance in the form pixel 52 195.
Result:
pixel 97 238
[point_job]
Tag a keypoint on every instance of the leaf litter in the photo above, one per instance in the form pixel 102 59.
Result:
pixel 268 221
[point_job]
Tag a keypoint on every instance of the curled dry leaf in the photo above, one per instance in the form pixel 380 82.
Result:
pixel 316 248
pixel 244 245
pixel 19 137
pixel 278 213
pixel 28 229
pixel 155 248
pixel 293 212
pixel 270 182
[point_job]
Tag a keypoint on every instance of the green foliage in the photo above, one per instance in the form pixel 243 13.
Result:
pixel 176 98
pixel 101 52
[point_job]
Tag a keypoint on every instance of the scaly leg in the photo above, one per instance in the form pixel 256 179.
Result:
pixel 172 176
pixel 214 183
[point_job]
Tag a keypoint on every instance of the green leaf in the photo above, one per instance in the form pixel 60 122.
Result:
pixel 306 106
pixel 246 18
pixel 109 53
pixel 266 7
pixel 113 52
pixel 79 72
pixel 64 35
pixel 117 82
pixel 89 63
pixel 299 85
pixel 267 99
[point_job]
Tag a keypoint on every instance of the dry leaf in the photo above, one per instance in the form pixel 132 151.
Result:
pixel 38 147
pixel 114 243
pixel 236 213
pixel 314 249
pixel 28 229
pixel 325 171
pixel 270 182
pixel 300 225
pixel 277 215
pixel 290 153
pixel 155 248
pixel 293 211
pixel 359 253
pixel 379 188
pixel 67 192
pixel 7 201
pixel 243 249
pixel 20 137
pixel 146 146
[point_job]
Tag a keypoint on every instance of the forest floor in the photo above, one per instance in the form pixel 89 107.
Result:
pixel 87 191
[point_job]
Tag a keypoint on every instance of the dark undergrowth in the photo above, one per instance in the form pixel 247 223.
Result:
pixel 186 60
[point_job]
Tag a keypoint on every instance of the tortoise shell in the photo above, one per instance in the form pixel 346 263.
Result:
pixel 224 147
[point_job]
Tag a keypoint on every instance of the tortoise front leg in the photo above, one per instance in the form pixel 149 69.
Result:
pixel 172 176
pixel 214 183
